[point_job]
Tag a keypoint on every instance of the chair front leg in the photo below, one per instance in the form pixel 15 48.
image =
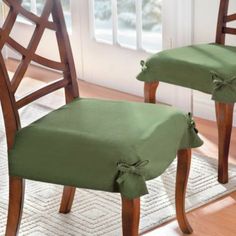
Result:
pixel 150 89
pixel 224 116
pixel 15 208
pixel 67 199
pixel 183 167
pixel 130 216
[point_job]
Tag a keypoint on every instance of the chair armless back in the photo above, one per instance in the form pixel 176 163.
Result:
pixel 223 19
pixel 8 88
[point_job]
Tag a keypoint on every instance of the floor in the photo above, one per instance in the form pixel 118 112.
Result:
pixel 215 219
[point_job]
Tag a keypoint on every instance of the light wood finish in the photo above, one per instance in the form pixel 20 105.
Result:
pixel 224 116
pixel 16 201
pixel 215 219
pixel 222 109
pixel 183 168
pixel 130 216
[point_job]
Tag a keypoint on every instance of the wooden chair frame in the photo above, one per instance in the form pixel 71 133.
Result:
pixel 10 107
pixel 224 111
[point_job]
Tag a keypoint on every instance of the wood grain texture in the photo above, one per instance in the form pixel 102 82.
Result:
pixel 16 201
pixel 28 15
pixel 67 199
pixel 150 89
pixel 224 116
pixel 183 168
pixel 221 23
pixel 230 18
pixel 229 30
pixel 130 216
pixel 9 87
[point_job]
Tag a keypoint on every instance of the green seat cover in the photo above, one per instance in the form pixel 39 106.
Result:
pixel 210 68
pixel 102 145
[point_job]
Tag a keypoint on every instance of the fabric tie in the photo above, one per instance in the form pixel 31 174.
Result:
pixel 191 122
pixel 136 169
pixel 220 82
pixel 143 64
pixel 131 179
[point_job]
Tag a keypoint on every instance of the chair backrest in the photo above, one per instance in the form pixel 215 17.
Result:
pixel 223 19
pixel 8 88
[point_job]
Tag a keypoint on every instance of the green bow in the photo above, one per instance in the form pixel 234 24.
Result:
pixel 143 64
pixel 136 169
pixel 131 179
pixel 191 122
pixel 219 82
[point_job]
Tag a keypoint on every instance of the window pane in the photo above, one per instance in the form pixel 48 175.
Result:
pixel 127 23
pixel 67 13
pixel 27 4
pixel 103 20
pixel 152 25
pixel 39 5
pixel 66 10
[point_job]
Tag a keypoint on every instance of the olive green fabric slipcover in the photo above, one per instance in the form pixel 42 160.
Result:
pixel 210 68
pixel 102 145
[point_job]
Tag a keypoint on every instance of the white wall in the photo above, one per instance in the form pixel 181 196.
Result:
pixel 205 20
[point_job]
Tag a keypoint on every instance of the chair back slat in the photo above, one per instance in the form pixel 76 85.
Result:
pixel 223 19
pixel 29 15
pixel 227 30
pixel 230 18
pixel 7 26
pixel 36 58
pixel 51 87
pixel 65 51
pixel 33 45
pixel 8 88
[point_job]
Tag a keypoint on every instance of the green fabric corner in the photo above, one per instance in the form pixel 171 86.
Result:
pixel 190 138
pixel 209 68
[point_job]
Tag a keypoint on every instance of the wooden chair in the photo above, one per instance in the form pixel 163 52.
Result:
pixel 182 64
pixel 10 106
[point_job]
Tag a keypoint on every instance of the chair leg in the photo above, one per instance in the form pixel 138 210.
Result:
pixel 183 167
pixel 150 91
pixel 67 199
pixel 15 208
pixel 224 116
pixel 130 216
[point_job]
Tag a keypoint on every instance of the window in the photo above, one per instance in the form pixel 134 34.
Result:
pixel 130 23
pixel 36 6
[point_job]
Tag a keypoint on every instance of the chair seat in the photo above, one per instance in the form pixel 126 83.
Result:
pixel 210 68
pixel 102 145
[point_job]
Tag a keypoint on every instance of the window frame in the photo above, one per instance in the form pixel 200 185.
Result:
pixel 177 27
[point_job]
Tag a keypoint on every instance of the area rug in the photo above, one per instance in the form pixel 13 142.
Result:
pixel 98 213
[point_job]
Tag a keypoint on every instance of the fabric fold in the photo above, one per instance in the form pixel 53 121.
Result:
pixel 223 87
pixel 190 138
pixel 131 179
